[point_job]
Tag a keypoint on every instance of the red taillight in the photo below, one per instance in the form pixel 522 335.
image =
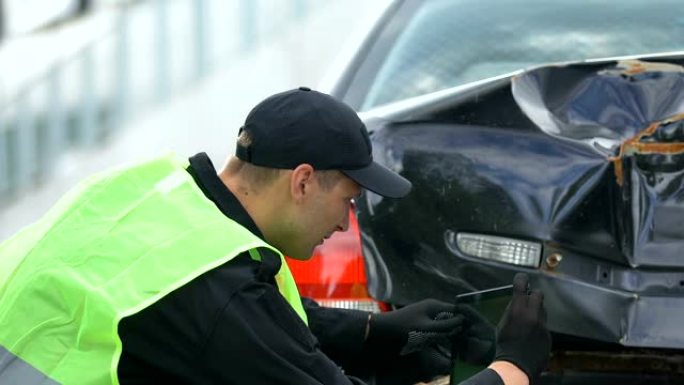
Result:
pixel 336 276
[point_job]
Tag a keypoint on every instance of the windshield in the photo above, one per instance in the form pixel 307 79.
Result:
pixel 432 45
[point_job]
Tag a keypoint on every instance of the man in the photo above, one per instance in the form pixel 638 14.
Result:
pixel 173 273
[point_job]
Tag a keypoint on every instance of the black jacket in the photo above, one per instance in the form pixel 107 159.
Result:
pixel 232 326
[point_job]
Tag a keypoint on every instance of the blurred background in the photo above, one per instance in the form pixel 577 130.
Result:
pixel 89 84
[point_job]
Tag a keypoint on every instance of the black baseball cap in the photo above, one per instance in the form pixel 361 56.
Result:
pixel 306 126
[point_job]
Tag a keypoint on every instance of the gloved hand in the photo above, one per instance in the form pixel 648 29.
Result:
pixel 523 337
pixel 421 366
pixel 414 327
pixel 477 343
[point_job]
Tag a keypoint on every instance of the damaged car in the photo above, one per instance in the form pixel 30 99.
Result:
pixel 543 137
pixel 581 185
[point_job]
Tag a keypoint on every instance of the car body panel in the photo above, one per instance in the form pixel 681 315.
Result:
pixel 609 205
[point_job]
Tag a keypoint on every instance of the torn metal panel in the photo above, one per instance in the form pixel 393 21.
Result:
pixel 600 104
pixel 650 170
pixel 631 111
pixel 586 159
pixel 665 138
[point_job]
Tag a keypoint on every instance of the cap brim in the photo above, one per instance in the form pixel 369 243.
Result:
pixel 380 180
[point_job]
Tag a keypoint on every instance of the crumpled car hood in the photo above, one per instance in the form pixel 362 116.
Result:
pixel 633 114
pixel 585 158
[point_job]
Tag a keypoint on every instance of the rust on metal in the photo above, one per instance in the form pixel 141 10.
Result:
pixel 635 67
pixel 635 146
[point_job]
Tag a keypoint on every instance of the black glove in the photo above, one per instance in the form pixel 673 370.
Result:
pixel 523 337
pixel 421 366
pixel 414 327
pixel 477 343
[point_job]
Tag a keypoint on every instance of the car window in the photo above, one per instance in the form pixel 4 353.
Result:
pixel 437 44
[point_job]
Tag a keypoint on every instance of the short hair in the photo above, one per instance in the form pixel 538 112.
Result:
pixel 328 178
pixel 259 176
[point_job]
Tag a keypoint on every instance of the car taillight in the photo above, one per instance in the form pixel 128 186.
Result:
pixel 336 276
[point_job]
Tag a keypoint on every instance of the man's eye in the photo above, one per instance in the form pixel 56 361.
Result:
pixel 352 203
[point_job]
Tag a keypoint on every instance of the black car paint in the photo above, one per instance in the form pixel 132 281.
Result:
pixel 480 164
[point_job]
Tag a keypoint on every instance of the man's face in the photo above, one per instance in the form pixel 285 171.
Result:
pixel 324 212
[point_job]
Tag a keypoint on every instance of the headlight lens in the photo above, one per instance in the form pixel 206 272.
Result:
pixel 500 249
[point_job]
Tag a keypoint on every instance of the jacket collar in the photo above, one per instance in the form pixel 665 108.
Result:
pixel 203 172
pixel 205 175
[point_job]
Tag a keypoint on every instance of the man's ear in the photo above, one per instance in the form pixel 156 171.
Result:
pixel 301 182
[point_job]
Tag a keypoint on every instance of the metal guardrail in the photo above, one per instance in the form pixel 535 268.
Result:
pixel 154 49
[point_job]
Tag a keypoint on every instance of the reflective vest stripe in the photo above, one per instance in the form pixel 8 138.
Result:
pixel 16 371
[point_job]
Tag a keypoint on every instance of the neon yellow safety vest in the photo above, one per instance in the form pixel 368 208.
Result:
pixel 115 245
